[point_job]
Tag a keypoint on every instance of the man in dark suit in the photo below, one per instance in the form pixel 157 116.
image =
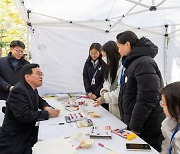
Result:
pixel 10 68
pixel 19 133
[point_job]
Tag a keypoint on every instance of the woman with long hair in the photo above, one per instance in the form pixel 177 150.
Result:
pixel 170 126
pixel 110 91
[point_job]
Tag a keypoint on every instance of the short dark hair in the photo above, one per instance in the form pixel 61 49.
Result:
pixel 171 92
pixel 18 43
pixel 127 36
pixel 27 69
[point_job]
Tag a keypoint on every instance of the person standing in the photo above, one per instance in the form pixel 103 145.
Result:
pixel 25 56
pixel 93 71
pixel 141 82
pixel 24 107
pixel 10 67
pixel 110 91
pixel 171 125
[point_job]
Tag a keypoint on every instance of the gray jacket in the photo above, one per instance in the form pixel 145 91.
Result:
pixel 167 128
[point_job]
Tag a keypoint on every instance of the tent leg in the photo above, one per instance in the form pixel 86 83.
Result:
pixel 166 40
pixel 28 52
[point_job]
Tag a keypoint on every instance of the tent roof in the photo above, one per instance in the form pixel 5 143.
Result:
pixel 58 22
pixel 104 14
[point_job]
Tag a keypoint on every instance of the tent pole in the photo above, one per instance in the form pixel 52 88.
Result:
pixel 138 3
pixel 160 3
pixel 65 21
pixel 28 52
pixel 121 17
pixel 165 54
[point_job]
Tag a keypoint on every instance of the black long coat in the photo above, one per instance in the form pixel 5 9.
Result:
pixel 18 132
pixel 140 93
pixel 88 73
pixel 9 76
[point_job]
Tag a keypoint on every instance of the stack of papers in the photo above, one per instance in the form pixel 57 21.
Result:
pixel 62 96
pixel 54 146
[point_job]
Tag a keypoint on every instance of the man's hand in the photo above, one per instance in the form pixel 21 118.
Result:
pixel 97 102
pixel 52 112
pixel 47 108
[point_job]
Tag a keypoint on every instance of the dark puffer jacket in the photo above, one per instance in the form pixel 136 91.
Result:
pixel 88 73
pixel 9 76
pixel 140 92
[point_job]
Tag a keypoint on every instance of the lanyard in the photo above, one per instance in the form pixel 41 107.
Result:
pixel 122 72
pixel 172 137
pixel 93 78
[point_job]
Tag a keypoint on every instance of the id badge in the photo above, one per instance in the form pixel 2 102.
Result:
pixel 93 81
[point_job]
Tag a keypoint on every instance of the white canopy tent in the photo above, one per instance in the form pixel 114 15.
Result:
pixel 62 31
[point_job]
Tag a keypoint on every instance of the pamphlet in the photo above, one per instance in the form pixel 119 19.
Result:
pixel 84 123
pixel 101 132
pixel 75 117
pixel 72 108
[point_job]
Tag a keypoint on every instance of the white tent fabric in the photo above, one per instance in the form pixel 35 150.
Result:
pixel 62 55
pixel 63 30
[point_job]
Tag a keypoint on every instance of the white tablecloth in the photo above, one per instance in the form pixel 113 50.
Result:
pixel 48 130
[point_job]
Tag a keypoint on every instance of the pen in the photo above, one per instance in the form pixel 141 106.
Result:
pixel 75 115
pixel 71 116
pixel 93 129
pixel 52 107
pixel 61 123
pixel 102 145
pixel 80 115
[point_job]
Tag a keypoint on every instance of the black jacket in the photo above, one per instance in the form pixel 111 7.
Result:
pixel 9 76
pixel 140 91
pixel 18 132
pixel 88 73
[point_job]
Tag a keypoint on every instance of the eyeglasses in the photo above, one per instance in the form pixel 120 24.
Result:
pixel 40 74
pixel 19 51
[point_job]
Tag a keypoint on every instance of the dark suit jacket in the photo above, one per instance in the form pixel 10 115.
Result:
pixel 9 76
pixel 18 133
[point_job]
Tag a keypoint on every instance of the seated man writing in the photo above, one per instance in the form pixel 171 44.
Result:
pixel 19 133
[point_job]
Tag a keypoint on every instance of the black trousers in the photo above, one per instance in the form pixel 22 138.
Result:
pixel 155 141
pixel 18 142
